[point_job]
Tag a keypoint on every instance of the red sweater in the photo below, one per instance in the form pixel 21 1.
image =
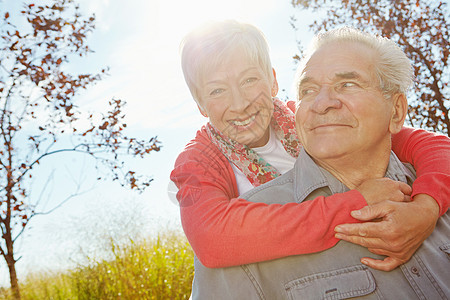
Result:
pixel 224 230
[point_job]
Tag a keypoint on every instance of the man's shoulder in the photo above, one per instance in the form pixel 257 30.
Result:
pixel 279 190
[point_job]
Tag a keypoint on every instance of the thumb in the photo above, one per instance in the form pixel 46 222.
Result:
pixel 370 212
pixel 387 264
pixel 405 188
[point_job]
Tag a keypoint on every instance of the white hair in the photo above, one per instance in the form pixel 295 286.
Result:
pixel 206 47
pixel 393 68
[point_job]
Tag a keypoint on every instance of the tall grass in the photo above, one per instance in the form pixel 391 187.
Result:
pixel 158 268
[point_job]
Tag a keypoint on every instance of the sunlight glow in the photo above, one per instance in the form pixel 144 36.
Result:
pixel 146 66
pixel 188 14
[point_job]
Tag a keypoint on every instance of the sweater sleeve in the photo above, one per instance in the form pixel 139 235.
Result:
pixel 224 230
pixel 429 153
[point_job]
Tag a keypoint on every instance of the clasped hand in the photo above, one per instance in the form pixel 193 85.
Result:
pixel 392 225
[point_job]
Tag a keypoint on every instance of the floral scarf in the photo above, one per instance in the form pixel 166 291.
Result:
pixel 257 170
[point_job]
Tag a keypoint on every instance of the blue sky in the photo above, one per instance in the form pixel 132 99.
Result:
pixel 139 40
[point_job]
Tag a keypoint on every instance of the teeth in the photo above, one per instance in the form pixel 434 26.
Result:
pixel 245 122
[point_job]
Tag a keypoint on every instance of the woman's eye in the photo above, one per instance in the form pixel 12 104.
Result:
pixel 216 92
pixel 249 80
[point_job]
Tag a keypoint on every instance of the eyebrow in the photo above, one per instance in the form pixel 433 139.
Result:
pixel 348 75
pixel 341 75
pixel 304 80
pixel 214 81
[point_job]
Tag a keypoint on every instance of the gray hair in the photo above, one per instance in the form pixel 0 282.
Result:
pixel 393 68
pixel 209 45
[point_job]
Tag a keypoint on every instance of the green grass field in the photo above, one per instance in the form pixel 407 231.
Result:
pixel 157 268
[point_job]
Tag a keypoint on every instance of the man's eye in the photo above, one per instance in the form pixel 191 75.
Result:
pixel 306 91
pixel 349 84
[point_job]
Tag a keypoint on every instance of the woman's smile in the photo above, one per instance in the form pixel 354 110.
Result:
pixel 245 122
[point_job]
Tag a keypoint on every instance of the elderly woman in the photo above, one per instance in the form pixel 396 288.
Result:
pixel 250 139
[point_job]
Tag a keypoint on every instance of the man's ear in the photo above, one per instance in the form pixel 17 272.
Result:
pixel 275 84
pixel 399 111
pixel 202 111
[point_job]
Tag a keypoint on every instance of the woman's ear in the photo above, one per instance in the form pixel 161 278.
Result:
pixel 202 111
pixel 275 84
pixel 399 111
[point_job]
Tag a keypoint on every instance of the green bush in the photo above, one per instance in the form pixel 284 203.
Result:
pixel 159 268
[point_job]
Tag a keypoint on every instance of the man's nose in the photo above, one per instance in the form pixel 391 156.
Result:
pixel 326 99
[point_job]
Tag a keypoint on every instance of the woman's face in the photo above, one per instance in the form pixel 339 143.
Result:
pixel 237 98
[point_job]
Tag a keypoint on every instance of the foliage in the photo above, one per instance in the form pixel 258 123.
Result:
pixel 421 28
pixel 38 112
pixel 159 268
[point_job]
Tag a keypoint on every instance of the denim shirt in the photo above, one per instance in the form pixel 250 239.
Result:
pixel 336 273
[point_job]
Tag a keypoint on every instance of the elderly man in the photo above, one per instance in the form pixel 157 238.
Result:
pixel 351 89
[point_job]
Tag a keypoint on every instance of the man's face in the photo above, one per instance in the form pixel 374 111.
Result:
pixel 236 96
pixel 342 110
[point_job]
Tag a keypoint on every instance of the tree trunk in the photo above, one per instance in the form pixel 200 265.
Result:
pixel 7 236
pixel 9 257
pixel 13 276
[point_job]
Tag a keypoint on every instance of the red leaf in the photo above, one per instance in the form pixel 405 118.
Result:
pixel 7 15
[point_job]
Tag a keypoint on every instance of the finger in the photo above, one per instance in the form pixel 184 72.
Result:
pixel 404 188
pixel 401 255
pixel 371 212
pixel 369 229
pixel 374 243
pixel 387 264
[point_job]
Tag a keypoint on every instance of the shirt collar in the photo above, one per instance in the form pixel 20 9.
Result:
pixel 308 176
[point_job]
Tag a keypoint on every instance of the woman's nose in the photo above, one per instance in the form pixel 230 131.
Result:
pixel 239 100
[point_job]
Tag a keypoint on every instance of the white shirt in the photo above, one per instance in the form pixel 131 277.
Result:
pixel 274 153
